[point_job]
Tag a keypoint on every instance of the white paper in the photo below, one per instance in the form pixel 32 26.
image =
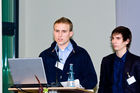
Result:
pixel 76 82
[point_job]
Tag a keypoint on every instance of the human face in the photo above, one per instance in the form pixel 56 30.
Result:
pixel 117 42
pixel 62 34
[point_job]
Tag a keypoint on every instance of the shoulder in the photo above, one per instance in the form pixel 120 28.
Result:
pixel 48 50
pixel 108 59
pixel 133 56
pixel 77 48
pixel 110 56
pixel 44 52
pixel 81 49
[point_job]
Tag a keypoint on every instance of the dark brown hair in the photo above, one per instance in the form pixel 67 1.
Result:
pixel 125 32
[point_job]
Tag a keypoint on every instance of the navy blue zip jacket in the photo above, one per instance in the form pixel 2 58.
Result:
pixel 82 66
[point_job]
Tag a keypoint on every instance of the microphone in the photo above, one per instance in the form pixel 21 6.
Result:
pixel 57 51
pixel 56 83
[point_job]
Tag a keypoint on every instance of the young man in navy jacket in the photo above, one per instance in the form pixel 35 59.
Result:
pixel 63 52
pixel 120 71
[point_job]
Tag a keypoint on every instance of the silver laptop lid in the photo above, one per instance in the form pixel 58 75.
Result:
pixel 23 70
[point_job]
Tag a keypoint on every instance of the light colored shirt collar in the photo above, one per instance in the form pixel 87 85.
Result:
pixel 69 47
pixel 63 54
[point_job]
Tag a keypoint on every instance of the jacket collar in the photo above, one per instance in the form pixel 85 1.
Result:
pixel 128 63
pixel 75 47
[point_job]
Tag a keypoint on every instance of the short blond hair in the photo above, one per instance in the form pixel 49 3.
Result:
pixel 65 21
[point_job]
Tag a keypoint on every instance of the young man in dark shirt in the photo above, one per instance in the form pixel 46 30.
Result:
pixel 120 71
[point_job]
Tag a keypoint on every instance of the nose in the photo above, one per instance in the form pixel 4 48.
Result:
pixel 60 34
pixel 113 41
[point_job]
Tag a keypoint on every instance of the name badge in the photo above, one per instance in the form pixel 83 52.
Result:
pixel 59 65
pixel 131 80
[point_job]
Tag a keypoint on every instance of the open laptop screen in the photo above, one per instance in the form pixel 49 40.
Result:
pixel 23 71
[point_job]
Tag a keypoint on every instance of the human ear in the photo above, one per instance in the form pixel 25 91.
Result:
pixel 71 33
pixel 127 41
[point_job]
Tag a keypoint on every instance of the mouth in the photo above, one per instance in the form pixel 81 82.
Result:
pixel 60 40
pixel 114 46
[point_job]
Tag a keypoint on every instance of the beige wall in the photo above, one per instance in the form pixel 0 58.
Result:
pixel 93 22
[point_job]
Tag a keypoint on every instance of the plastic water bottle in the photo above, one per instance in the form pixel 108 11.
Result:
pixel 71 77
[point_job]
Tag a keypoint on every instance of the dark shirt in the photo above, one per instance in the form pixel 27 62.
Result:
pixel 118 74
pixel 131 66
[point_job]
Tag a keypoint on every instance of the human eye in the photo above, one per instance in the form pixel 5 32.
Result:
pixel 118 38
pixel 56 30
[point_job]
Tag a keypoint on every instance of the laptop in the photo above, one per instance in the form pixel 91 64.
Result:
pixel 27 72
